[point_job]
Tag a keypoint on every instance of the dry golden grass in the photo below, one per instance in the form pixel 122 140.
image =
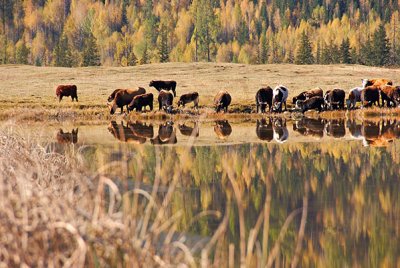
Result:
pixel 28 92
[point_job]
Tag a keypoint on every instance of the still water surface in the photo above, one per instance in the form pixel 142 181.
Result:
pixel 314 192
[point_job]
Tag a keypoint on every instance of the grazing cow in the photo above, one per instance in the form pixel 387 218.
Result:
pixel 223 129
pixel 66 91
pixel 376 82
pixel 112 96
pixel 312 103
pixel 222 100
pixel 370 95
pixel 390 94
pixel 166 134
pixel 264 97
pixel 189 131
pixel 124 133
pixel 308 94
pixel 335 128
pixel 334 99
pixel 310 127
pixel 142 130
pixel 67 137
pixel 264 130
pixel 281 133
pixel 189 97
pixel 123 98
pixel 141 101
pixel 165 85
pixel 165 99
pixel 279 97
pixel 354 97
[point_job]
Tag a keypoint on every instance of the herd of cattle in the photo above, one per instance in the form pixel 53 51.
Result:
pixel 371 133
pixel 370 93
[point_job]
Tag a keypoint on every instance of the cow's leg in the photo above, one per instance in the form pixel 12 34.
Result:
pixel 60 98
pixel 173 90
pixel 258 108
pixel 151 106
pixel 159 105
pixel 285 106
pixel 122 109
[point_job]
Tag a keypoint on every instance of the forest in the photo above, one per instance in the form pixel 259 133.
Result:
pixel 73 33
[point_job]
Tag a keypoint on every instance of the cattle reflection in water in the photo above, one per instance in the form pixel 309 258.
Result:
pixel 378 134
pixel 264 129
pixel 67 137
pixel 335 128
pixel 189 131
pixel 310 127
pixel 131 132
pixel 166 134
pixel 281 133
pixel 223 129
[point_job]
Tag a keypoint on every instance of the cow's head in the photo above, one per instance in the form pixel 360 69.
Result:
pixel 110 98
pixel 180 102
pixel 365 83
pixel 151 83
pixel 112 107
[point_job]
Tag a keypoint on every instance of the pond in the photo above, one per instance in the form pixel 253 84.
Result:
pixel 314 192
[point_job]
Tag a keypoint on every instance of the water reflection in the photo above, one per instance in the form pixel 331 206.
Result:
pixel 166 134
pixel 264 129
pixel 223 129
pixel 67 137
pixel 189 131
pixel 369 132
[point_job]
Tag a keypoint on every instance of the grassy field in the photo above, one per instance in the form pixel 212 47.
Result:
pixel 28 92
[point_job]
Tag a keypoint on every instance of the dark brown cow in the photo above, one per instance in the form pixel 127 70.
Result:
pixel 166 134
pixel 390 94
pixel 189 97
pixel 223 129
pixel 141 101
pixel 66 91
pixel 164 85
pixel 123 98
pixel 222 100
pixel 334 99
pixel 124 133
pixel 189 131
pixel 67 137
pixel 142 130
pixel 264 130
pixel 314 103
pixel 370 95
pixel 264 98
pixel 165 100
pixel 308 94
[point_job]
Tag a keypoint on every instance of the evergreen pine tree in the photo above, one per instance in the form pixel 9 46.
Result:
pixel 366 56
pixel 91 56
pixel 163 50
pixel 345 56
pixel 62 55
pixel 304 53
pixel 380 49
pixel 145 56
pixel 263 49
pixel 22 52
pixel 318 55
pixel 335 53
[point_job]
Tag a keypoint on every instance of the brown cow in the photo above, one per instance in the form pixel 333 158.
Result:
pixel 164 85
pixel 264 97
pixel 189 97
pixel 66 91
pixel 165 100
pixel 390 94
pixel 67 137
pixel 141 101
pixel 334 99
pixel 223 129
pixel 316 102
pixel 376 82
pixel 308 94
pixel 222 100
pixel 123 98
pixel 112 96
pixel 370 95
